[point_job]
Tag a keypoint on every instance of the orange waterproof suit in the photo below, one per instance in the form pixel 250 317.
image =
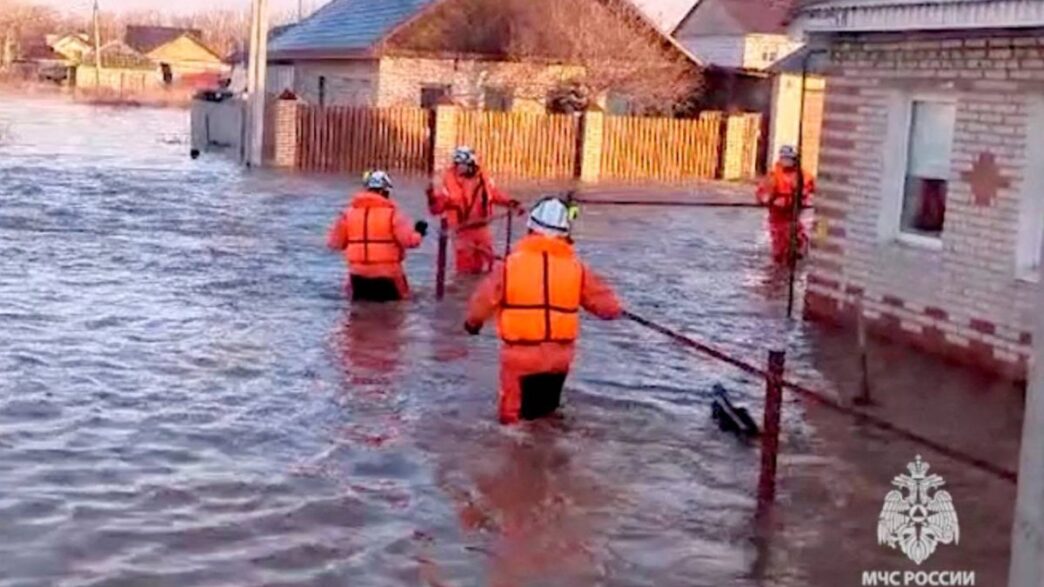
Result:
pixel 374 235
pixel 467 203
pixel 777 191
pixel 537 294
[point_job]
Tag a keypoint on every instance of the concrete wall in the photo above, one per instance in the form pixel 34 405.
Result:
pixel 967 296
pixel 402 78
pixel 217 125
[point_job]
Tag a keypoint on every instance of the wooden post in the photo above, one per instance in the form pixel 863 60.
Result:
pixel 770 439
pixel 440 269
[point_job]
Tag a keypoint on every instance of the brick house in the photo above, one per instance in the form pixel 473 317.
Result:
pixel 931 196
pixel 417 52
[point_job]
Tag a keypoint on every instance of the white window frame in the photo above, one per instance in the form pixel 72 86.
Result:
pixel 896 162
pixel 1029 243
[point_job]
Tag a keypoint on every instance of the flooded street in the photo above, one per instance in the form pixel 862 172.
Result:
pixel 187 398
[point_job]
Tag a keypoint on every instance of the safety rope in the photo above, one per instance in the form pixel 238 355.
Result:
pixel 823 400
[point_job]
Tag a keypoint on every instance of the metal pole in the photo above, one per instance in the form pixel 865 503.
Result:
pixel 256 82
pixel 507 237
pixel 863 399
pixel 440 261
pixel 800 195
pixel 770 426
pixel 97 49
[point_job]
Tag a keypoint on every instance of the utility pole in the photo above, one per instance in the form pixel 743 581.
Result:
pixel 1027 544
pixel 256 75
pixel 97 50
pixel 300 10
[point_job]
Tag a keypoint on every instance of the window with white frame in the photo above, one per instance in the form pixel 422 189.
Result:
pixel 1030 239
pixel 926 181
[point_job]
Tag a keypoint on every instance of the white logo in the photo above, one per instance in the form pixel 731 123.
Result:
pixel 918 520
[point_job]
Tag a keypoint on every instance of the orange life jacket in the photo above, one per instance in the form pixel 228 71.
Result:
pixel 543 280
pixel 371 231
pixel 476 203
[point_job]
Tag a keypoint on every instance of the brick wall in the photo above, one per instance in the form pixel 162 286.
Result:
pixel 964 300
pixel 402 78
pixel 348 83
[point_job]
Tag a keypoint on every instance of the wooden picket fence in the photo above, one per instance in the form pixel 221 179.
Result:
pixel 522 145
pixel 359 139
pixel 665 149
pixel 518 145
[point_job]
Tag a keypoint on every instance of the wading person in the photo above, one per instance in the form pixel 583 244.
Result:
pixel 374 234
pixel 466 198
pixel 536 295
pixel 778 191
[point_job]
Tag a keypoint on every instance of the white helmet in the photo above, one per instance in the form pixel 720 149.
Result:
pixel 378 181
pixel 464 156
pixel 550 216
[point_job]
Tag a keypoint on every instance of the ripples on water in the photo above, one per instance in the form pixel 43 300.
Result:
pixel 187 399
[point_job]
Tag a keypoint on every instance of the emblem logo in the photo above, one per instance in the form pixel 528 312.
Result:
pixel 917 516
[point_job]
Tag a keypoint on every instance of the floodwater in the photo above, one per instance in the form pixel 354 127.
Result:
pixel 186 398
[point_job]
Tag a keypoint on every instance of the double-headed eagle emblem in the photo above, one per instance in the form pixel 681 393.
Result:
pixel 917 516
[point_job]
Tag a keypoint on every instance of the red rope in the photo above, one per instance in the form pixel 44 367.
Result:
pixel 826 402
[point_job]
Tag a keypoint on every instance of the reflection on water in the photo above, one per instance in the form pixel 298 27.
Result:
pixel 188 399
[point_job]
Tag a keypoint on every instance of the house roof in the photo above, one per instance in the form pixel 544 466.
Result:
pixel 666 14
pixel 736 17
pixel 907 15
pixel 119 55
pixel 147 38
pixel 345 26
pixel 40 52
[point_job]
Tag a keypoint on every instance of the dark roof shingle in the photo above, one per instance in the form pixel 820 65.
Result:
pixel 146 38
pixel 347 25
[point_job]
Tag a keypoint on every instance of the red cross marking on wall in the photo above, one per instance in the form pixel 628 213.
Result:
pixel 985 179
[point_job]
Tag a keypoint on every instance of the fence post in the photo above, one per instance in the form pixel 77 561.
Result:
pixel 285 133
pixel 591 145
pixel 440 269
pixel 770 439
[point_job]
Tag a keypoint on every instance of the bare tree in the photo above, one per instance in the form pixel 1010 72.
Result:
pixel 587 48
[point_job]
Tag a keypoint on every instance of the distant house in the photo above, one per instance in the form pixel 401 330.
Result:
pixel 180 54
pixel 744 34
pixel 419 52
pixel 71 47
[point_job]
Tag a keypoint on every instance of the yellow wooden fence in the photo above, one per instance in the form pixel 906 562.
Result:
pixel 664 149
pixel 522 145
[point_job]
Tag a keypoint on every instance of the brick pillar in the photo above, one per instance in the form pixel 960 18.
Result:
pixel 285 133
pixel 445 140
pixel 591 146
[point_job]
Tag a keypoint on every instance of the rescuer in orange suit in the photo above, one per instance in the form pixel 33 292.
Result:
pixel 466 198
pixel 374 235
pixel 777 191
pixel 537 294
